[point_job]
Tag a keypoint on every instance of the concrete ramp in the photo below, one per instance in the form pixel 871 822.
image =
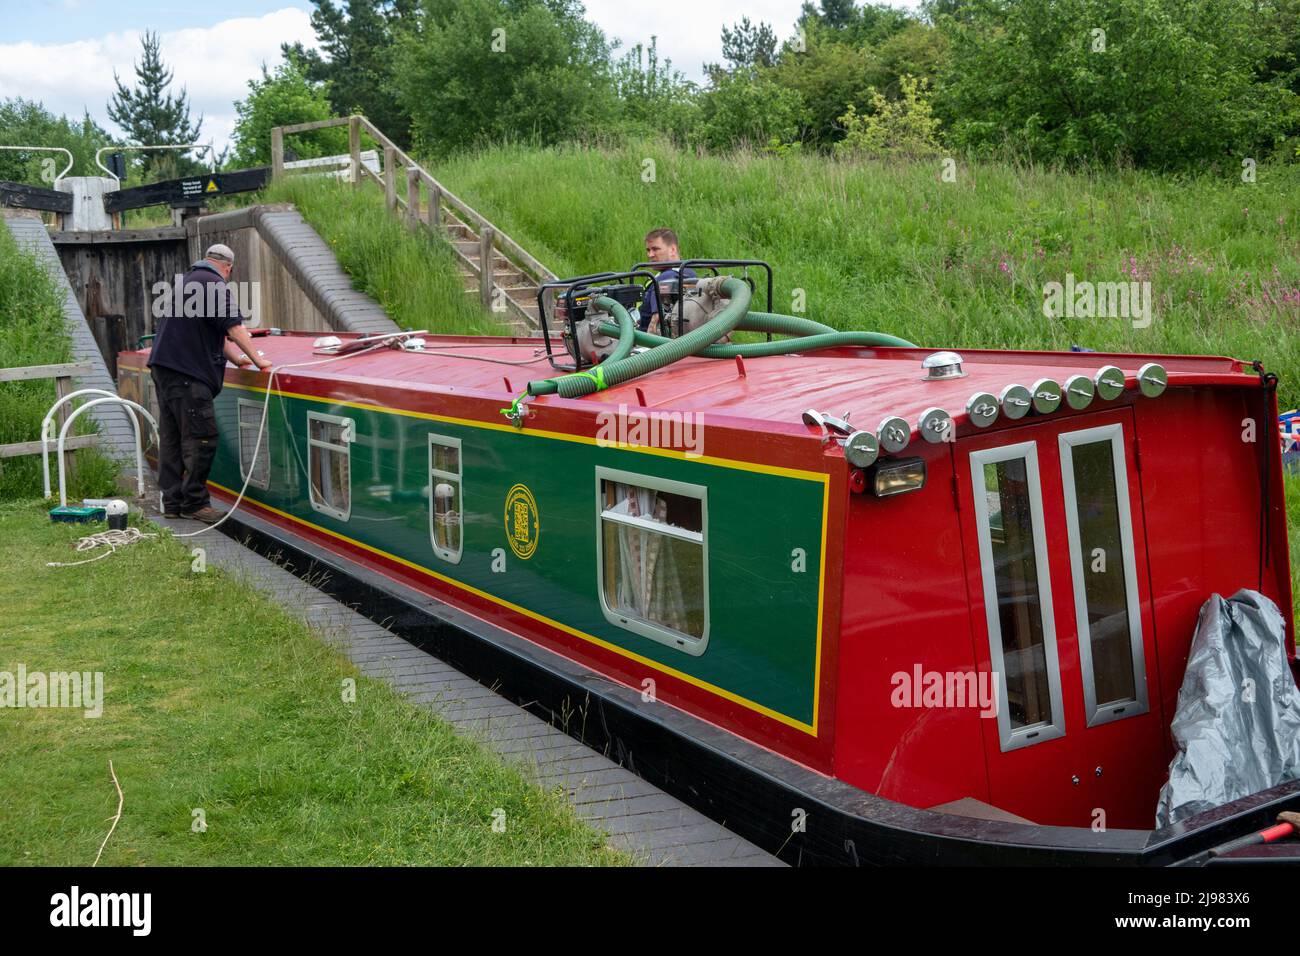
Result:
pixel 300 283
pixel 117 435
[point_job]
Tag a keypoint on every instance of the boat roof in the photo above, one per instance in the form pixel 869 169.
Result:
pixel 870 383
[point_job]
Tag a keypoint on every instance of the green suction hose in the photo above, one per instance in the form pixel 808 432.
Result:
pixel 615 371
pixel 782 324
pixel 802 343
pixel 625 330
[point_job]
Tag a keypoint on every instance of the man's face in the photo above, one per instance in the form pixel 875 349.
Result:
pixel 656 250
pixel 223 267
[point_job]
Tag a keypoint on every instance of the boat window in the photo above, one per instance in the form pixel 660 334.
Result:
pixel 1017 594
pixel 329 463
pixel 1095 481
pixel 653 560
pixel 255 472
pixel 445 497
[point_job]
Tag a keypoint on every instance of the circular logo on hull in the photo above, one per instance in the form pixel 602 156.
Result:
pixel 523 523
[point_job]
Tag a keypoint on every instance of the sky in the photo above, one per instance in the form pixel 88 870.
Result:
pixel 63 53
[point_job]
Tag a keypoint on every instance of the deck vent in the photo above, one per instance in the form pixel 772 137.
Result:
pixel 1079 392
pixel 1110 382
pixel 941 365
pixel 1016 401
pixel 982 409
pixel 1152 379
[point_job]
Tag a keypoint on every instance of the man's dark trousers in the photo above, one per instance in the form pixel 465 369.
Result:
pixel 187 430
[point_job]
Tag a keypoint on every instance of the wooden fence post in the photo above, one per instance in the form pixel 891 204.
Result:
pixel 63 388
pixel 413 196
pixel 277 153
pixel 354 148
pixel 390 177
pixel 485 265
pixel 434 213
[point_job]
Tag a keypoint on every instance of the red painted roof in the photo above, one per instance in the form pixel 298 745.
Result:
pixel 869 383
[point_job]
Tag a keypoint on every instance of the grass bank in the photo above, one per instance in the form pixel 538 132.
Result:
pixel 411 274
pixel 893 247
pixel 32 333
pixel 216 700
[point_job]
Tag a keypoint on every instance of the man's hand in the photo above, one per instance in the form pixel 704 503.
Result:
pixel 263 365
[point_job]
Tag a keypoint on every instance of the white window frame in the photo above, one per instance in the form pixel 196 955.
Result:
pixel 349 436
pixel 240 405
pixel 687 643
pixel 1120 709
pixel 1035 733
pixel 447 554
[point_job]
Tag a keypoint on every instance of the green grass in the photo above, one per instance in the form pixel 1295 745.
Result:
pixel 890 246
pixel 411 274
pixel 215 699
pixel 32 333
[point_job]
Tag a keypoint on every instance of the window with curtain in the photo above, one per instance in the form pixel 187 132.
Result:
pixel 329 464
pixel 653 570
pixel 255 470
pixel 445 497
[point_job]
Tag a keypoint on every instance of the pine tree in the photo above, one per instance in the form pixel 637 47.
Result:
pixel 151 116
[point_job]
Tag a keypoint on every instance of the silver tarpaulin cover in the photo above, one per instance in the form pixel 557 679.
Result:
pixel 1237 726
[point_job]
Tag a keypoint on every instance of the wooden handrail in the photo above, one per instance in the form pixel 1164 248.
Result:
pixel 30 372
pixel 357 123
pixel 62 375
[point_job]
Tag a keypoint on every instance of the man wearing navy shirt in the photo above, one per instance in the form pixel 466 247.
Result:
pixel 202 328
pixel 660 246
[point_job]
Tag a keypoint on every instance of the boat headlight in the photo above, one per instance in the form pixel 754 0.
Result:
pixel 890 478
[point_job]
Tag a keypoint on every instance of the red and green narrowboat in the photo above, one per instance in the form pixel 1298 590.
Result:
pixel 836 590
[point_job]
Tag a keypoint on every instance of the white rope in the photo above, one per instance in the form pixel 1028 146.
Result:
pixel 120 539
pixel 261 427
pixel 111 539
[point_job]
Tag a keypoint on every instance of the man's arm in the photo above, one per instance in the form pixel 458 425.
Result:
pixel 240 337
pixel 234 353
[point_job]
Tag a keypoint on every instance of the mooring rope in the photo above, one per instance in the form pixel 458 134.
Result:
pixel 114 539
pixel 111 539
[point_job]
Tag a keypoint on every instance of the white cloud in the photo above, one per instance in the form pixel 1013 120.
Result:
pixel 213 63
pixel 690 34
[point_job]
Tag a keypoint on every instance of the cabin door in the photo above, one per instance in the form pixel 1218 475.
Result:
pixel 1060 604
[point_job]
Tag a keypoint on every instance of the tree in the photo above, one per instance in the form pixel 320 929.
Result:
pixel 748 46
pixel 1163 83
pixel 838 14
pixel 283 99
pixel 740 109
pixel 472 71
pixel 901 127
pixel 27 123
pixel 829 77
pixel 149 115
pixel 654 97
pixel 358 39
